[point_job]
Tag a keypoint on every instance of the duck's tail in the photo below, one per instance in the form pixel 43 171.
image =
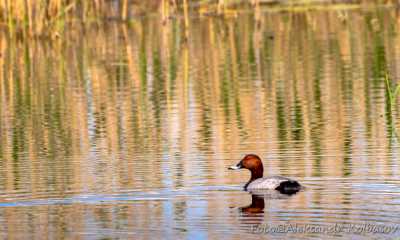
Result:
pixel 289 187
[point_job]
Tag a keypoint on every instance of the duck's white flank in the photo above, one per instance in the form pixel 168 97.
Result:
pixel 268 182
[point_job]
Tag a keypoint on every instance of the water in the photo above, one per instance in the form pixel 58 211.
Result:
pixel 126 131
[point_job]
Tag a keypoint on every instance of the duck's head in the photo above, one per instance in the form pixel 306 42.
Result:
pixel 251 162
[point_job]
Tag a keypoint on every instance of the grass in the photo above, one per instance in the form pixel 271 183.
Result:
pixel 44 17
pixel 393 92
pixel 41 17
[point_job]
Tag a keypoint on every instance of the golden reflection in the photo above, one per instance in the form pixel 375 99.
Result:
pixel 144 106
pixel 315 86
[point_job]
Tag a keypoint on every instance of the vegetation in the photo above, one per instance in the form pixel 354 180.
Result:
pixel 39 17
pixel 393 91
pixel 49 17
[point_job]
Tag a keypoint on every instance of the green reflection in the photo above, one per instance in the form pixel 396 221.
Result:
pixel 134 107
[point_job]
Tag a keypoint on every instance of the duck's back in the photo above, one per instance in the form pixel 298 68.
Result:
pixel 274 183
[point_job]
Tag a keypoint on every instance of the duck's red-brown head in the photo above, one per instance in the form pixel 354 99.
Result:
pixel 253 163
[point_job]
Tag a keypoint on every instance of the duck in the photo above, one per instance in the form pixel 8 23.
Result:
pixel 257 182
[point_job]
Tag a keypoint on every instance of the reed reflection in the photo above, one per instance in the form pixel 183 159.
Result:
pixel 108 96
pixel 115 108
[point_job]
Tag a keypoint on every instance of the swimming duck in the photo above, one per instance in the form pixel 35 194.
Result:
pixel 253 163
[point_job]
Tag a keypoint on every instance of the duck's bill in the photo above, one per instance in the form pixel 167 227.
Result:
pixel 234 167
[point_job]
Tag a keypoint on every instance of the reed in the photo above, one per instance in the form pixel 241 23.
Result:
pixel 392 91
pixel 46 17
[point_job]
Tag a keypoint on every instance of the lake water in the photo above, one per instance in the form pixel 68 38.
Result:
pixel 126 131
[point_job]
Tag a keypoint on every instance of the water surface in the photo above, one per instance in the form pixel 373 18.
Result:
pixel 126 131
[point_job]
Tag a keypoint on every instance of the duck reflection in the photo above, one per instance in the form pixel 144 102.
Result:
pixel 253 214
pixel 257 205
pixel 258 200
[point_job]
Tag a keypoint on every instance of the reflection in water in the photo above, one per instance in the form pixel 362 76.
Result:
pixel 121 109
pixel 252 215
pixel 257 200
pixel 256 206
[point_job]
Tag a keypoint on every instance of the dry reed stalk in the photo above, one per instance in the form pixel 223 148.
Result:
pixel 124 12
pixel 186 16
pixel 221 6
